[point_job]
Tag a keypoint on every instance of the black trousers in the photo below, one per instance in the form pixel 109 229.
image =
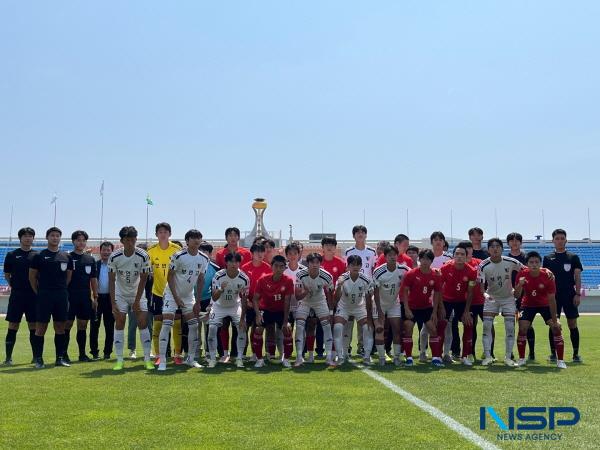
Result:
pixel 103 313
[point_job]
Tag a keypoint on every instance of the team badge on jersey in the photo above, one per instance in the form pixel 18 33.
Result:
pixel 567 267
pixel 465 279
pixel 431 282
pixel 63 266
pixel 282 288
pixel 88 269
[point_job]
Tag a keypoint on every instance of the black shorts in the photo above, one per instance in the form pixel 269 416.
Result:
pixel 529 313
pixel 156 305
pixel 250 317
pixel 477 310
pixel 457 307
pixel 566 304
pixel 80 305
pixel 271 317
pixel 291 319
pixel 52 303
pixel 421 316
pixel 204 304
pixel 19 303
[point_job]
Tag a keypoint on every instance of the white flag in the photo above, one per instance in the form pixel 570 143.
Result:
pixel 102 189
pixel 54 198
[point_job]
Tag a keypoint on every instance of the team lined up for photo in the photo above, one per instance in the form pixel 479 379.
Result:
pixel 262 294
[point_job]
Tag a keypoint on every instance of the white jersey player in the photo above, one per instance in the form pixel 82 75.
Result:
pixel 353 294
pixel 497 271
pixel 387 280
pixel 229 292
pixel 314 293
pixel 186 274
pixel 128 270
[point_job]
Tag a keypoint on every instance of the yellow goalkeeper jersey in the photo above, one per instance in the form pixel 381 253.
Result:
pixel 160 260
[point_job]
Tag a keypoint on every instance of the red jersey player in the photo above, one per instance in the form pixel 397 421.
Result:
pixel 419 286
pixel 401 242
pixel 538 288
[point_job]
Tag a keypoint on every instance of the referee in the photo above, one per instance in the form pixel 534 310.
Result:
pixel 49 275
pixel 22 297
pixel 83 293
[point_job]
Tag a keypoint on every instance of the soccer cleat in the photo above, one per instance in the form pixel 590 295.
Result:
pixel 162 366
pixel 397 362
pixel 456 357
pixel 367 360
pixel 132 355
pixel 437 362
pixel 212 363
pixel 423 357
pixel 157 361
pixel 8 362
pixel 487 361
pixel 447 359
pixel 471 358
pixel 286 363
pixel 118 366
pixel 84 358
pixel 321 355
pixel 532 357
pixel 149 365
pixel 552 358
pixel 509 362
pixel 66 358
pixel 299 362
pixel 39 363
pixel 561 364
pixel 577 359
pixel 311 358
pixel 239 363
pixel 95 356
pixel 178 360
pixel 409 362
pixel 259 363
pixel 253 358
pixel 152 355
pixel 521 362
pixel 60 362
pixel 225 359
pixel 382 362
pixel 467 362
pixel 106 356
pixel 191 362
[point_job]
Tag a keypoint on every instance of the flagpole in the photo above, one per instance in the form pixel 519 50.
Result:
pixel 147 208
pixel 102 211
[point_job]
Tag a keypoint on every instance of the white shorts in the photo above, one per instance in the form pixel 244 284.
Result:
pixel 169 305
pixel 125 303
pixel 391 311
pixel 217 314
pixel 343 311
pixel 321 310
pixel 504 306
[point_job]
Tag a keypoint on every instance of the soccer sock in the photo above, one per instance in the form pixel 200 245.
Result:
pixel 119 340
pixel 531 340
pixel 447 336
pixel 279 340
pixel 11 338
pixel 423 337
pixel 397 350
pixel 407 344
pixel 338 336
pixel 257 344
pixel 488 322
pixel 185 331
pixel 367 339
pixel 156 327
pixel 474 337
pixel 241 341
pixel 467 341
pixel 436 346
pixel 81 338
pixel 300 325
pixel 380 350
pixel 146 339
pixel 521 343
pixel 212 341
pixel 32 341
pixel 288 346
pixel 348 329
pixel 493 340
pixel 193 340
pixel 177 336
pixel 574 340
pixel 59 345
pixel 551 340
pixel 559 344
pixel 273 345
pixel 224 336
pixel 327 337
pixel 39 346
pixel 509 337
pixel 67 340
pixel 310 343
pixel 163 339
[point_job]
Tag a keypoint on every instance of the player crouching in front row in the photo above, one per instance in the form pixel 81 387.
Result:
pixel 538 288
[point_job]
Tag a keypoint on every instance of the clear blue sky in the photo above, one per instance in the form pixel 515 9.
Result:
pixel 335 105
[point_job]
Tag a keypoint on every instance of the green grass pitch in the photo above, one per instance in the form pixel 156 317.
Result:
pixel 90 406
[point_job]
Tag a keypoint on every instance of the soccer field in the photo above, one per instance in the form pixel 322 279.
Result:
pixel 88 405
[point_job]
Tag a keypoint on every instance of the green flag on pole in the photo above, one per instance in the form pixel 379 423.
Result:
pixel 149 200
